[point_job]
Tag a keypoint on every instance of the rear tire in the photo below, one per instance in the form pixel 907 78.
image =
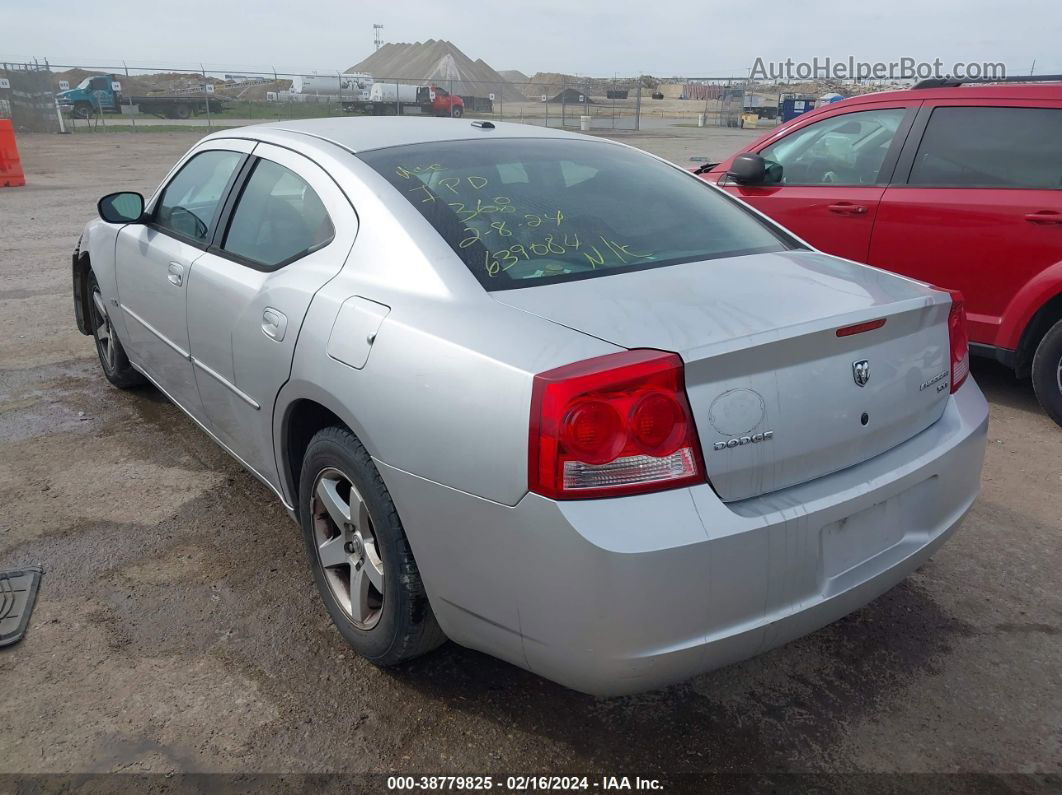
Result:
pixel 1047 372
pixel 359 554
pixel 113 361
pixel 457 113
pixel 182 112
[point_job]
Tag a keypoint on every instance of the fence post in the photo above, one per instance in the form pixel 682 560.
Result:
pixel 398 101
pixel 638 106
pixel 206 98
pixel 59 114
pixel 452 99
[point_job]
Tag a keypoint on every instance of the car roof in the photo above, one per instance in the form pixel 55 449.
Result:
pixel 361 134
pixel 967 91
pixel 976 93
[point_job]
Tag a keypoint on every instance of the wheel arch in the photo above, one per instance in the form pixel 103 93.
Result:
pixel 81 266
pixel 299 417
pixel 1049 313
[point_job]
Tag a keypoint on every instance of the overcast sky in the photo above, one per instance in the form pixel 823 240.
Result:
pixel 589 37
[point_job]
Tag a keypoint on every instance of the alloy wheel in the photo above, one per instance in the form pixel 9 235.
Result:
pixel 347 549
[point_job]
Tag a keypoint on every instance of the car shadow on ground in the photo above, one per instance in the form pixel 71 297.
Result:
pixel 1001 386
pixel 792 703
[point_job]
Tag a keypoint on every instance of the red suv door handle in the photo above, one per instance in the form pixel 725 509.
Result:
pixel 846 208
pixel 1044 217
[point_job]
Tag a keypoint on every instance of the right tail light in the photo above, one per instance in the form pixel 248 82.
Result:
pixel 959 340
pixel 611 426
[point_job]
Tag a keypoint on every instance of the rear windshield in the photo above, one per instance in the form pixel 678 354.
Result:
pixel 522 212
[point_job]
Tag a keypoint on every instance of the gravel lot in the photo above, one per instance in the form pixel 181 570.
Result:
pixel 178 628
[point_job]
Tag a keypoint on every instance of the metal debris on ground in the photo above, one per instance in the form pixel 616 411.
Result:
pixel 18 593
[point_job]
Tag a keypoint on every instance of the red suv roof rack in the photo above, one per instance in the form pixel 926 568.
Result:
pixel 951 82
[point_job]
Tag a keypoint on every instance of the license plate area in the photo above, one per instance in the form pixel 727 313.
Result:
pixel 857 538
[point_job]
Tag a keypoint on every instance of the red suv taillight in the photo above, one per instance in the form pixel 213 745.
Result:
pixel 613 425
pixel 960 340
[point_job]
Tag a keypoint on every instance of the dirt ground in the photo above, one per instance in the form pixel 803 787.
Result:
pixel 178 628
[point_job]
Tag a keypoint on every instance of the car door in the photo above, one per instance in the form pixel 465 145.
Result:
pixel 976 204
pixel 287 230
pixel 834 171
pixel 153 262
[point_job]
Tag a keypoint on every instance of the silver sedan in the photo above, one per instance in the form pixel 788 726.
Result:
pixel 538 393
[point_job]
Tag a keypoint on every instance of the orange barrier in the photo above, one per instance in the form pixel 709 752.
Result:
pixel 11 174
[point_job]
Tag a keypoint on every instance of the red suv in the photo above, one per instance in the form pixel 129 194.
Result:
pixel 959 185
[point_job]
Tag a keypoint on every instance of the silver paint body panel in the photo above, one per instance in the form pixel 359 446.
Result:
pixel 607 596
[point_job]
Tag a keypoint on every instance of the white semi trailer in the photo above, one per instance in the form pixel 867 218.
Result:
pixel 350 89
pixel 349 83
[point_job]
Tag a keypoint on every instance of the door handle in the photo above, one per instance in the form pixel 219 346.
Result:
pixel 846 208
pixel 274 323
pixel 175 274
pixel 1044 217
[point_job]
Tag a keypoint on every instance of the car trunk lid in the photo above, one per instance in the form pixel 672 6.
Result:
pixel 778 395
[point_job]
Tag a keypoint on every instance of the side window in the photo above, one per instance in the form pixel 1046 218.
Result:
pixel 278 218
pixel 191 200
pixel 991 148
pixel 843 150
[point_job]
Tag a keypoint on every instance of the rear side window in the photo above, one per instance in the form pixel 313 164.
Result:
pixel 526 211
pixel 849 149
pixel 278 218
pixel 991 148
pixel 190 202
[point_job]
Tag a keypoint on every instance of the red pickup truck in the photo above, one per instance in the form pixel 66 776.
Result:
pixel 955 184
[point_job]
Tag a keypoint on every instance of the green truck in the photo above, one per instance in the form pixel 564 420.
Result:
pixel 103 94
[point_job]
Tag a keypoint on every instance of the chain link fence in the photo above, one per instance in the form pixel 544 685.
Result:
pixel 27 97
pixel 97 98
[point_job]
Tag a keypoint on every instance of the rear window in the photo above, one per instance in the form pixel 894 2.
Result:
pixel 991 148
pixel 521 212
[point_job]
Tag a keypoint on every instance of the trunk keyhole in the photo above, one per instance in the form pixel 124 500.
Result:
pixel 864 419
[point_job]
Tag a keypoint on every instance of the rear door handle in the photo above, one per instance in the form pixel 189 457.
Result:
pixel 847 208
pixel 175 274
pixel 274 323
pixel 1044 217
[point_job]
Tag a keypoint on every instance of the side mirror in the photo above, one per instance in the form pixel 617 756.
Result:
pixel 121 208
pixel 753 169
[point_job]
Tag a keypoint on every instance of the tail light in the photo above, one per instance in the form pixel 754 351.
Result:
pixel 959 340
pixel 613 425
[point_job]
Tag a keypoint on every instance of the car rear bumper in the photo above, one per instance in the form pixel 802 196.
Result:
pixel 623 595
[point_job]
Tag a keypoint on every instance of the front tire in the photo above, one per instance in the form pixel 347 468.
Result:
pixel 359 554
pixel 457 113
pixel 115 363
pixel 1047 372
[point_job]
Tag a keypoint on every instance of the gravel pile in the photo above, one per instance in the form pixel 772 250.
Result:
pixel 440 62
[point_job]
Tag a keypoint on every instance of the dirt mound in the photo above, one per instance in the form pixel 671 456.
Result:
pixel 440 62
pixel 514 76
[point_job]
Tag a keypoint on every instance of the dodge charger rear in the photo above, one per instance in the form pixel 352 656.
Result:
pixel 564 403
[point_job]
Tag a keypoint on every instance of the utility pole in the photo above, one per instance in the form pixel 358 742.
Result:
pixel 376 31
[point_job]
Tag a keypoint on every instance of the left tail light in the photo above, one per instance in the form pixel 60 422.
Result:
pixel 959 340
pixel 611 426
